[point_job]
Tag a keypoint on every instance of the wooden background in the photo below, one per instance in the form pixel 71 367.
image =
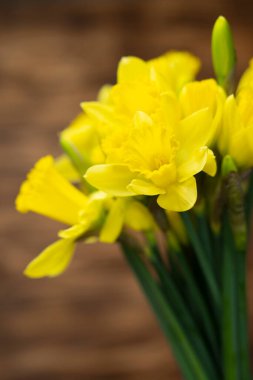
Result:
pixel 92 323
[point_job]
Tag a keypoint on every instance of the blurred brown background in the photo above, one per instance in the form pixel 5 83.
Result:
pixel 93 322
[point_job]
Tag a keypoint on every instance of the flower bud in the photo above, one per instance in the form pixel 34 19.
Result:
pixel 223 53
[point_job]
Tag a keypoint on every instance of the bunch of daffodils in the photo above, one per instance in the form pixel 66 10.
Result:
pixel 162 164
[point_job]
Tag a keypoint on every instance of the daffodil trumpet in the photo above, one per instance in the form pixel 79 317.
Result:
pixel 161 163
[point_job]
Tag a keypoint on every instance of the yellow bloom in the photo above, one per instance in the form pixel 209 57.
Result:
pixel 153 143
pixel 48 193
pixel 236 137
pixel 159 156
pixel 139 86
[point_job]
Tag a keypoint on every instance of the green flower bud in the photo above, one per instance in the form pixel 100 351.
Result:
pixel 223 53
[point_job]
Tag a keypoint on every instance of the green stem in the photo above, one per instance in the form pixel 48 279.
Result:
pixel 229 315
pixel 197 301
pixel 184 315
pixel 202 258
pixel 243 317
pixel 189 362
pixel 205 236
pixel 249 200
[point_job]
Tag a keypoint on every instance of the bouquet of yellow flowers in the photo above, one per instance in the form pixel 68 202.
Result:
pixel 162 164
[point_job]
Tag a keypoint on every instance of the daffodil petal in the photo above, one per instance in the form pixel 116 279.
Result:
pixel 114 222
pixel 231 123
pixel 52 261
pixel 67 170
pixel 194 165
pixel 194 131
pixel 132 69
pixel 210 167
pixel 142 187
pixel 110 178
pixel 100 112
pixel 180 196
pixel 240 149
pixel 138 217
pixel 73 232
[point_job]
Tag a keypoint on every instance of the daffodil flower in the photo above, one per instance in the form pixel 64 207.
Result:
pixel 159 156
pixel 48 193
pixel 139 86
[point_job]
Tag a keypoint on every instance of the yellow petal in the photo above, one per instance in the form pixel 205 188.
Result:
pixel 180 196
pixel 67 170
pixel 114 221
pixel 132 69
pixel 211 166
pixel 138 217
pixel 204 94
pixel 112 179
pixel 52 261
pixel 99 112
pixel 104 93
pixel 231 123
pixel 141 187
pixel 132 97
pixel 176 68
pixel 240 148
pixel 194 131
pixel 194 165
pixel 73 232
pixel 164 176
pixel 169 112
pixel 247 77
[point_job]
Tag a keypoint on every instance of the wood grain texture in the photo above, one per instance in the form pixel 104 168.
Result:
pixel 92 323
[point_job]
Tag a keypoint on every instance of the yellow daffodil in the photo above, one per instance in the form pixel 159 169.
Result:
pixel 158 156
pixel 48 193
pixel 139 86
pixel 236 137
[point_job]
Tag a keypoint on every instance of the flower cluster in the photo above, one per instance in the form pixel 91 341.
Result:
pixel 141 146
